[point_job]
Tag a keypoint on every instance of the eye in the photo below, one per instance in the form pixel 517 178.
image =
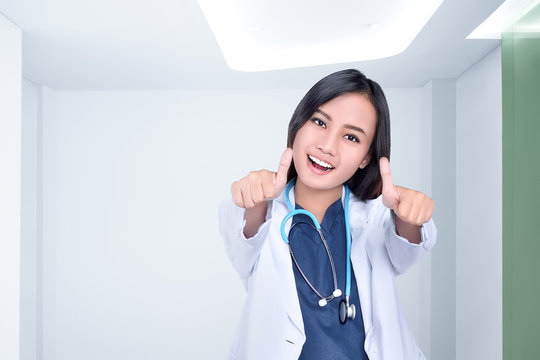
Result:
pixel 352 138
pixel 319 122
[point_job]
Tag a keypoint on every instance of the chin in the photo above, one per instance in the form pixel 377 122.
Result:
pixel 317 182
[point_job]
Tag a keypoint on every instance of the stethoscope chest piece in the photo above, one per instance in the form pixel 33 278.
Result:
pixel 346 311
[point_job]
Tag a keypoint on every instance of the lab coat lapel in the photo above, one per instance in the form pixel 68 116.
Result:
pixel 284 262
pixel 360 264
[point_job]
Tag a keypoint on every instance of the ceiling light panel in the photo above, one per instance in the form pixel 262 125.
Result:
pixel 277 34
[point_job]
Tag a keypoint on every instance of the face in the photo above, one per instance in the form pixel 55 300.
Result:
pixel 334 142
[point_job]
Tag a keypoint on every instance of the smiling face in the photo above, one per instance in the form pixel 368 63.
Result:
pixel 330 147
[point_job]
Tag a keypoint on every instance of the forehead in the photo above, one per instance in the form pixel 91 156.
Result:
pixel 352 109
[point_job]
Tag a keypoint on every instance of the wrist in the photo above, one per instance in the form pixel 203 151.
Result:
pixel 254 217
pixel 411 232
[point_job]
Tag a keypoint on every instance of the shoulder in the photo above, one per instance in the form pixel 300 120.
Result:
pixel 369 211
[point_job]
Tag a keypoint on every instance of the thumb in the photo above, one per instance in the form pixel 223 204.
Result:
pixel 281 175
pixel 390 195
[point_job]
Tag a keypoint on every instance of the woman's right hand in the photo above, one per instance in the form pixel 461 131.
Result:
pixel 263 185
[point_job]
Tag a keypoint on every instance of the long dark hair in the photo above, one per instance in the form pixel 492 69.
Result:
pixel 366 183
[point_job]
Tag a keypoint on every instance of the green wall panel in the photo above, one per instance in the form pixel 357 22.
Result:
pixel 521 188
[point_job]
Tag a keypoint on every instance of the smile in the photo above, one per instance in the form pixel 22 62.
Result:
pixel 318 163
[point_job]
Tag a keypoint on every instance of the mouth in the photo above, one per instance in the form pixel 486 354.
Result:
pixel 319 164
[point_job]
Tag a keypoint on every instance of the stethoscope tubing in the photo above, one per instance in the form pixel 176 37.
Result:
pixel 293 211
pixel 334 294
pixel 349 240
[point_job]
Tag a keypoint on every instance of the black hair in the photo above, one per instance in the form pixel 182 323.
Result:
pixel 366 183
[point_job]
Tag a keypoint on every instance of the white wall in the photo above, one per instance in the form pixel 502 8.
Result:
pixel 30 200
pixel 10 187
pixel 411 151
pixel 479 215
pixel 132 264
pixel 443 256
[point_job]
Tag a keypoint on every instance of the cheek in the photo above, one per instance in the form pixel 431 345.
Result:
pixel 358 158
pixel 296 147
pixel 299 140
pixel 299 157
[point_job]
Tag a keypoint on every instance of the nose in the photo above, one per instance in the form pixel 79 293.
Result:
pixel 328 144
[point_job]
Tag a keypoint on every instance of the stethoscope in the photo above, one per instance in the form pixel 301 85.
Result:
pixel 346 309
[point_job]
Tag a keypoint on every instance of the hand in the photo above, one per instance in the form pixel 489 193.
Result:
pixel 262 185
pixel 413 207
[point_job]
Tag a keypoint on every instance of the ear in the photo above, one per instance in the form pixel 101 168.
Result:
pixel 364 162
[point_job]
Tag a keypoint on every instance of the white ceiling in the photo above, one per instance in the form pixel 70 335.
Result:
pixel 167 44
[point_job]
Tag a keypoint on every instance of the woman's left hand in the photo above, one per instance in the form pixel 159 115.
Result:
pixel 412 207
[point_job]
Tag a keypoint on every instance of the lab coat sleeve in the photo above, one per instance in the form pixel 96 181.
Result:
pixel 402 253
pixel 242 252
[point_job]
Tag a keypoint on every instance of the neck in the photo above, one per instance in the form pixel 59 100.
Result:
pixel 315 201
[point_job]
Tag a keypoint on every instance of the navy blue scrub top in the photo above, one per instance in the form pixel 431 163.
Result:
pixel 326 337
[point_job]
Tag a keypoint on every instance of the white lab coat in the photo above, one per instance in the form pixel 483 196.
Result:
pixel 271 325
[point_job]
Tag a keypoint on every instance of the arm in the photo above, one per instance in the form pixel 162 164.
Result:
pixel 411 232
pixel 244 220
pixel 402 252
pixel 412 208
pixel 242 250
pixel 255 217
pixel 408 231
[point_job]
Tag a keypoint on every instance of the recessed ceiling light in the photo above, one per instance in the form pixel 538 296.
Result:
pixel 500 19
pixel 302 33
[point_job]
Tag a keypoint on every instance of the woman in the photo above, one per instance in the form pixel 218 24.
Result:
pixel 296 307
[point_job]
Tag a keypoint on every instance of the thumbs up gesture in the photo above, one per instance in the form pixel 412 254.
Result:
pixel 410 206
pixel 263 185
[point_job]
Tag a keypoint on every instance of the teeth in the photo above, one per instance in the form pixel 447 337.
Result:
pixel 320 162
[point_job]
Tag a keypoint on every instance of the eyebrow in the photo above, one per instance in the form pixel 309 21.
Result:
pixel 352 127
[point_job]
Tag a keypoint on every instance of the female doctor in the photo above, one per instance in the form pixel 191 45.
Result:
pixel 319 242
